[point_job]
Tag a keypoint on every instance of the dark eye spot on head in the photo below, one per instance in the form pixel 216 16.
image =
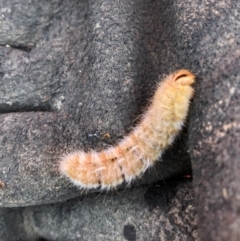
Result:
pixel 129 232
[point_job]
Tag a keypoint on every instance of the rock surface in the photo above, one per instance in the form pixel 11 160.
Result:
pixel 164 211
pixel 215 125
pixel 91 74
pixel 71 72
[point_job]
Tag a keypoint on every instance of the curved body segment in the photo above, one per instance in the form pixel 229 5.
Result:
pixel 131 157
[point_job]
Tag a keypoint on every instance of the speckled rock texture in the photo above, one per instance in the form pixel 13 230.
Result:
pixel 72 71
pixel 164 211
pixel 214 139
pixel 91 72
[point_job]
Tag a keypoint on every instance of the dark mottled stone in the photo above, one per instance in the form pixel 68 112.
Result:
pixel 215 122
pixel 72 71
pixel 129 232
pixel 161 194
pixel 120 215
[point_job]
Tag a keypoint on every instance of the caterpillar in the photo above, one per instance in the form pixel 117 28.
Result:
pixel 144 145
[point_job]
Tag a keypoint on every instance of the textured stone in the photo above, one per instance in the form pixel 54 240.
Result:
pixel 24 22
pixel 92 74
pixel 14 226
pixel 215 123
pixel 164 211
pixel 77 70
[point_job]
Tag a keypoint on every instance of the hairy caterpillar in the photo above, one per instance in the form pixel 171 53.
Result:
pixel 143 146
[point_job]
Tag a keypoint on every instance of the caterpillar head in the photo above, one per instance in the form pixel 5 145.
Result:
pixel 184 77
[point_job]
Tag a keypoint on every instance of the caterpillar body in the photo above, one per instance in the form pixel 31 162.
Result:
pixel 132 156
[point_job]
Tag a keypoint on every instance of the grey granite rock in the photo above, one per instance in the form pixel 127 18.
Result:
pixel 164 211
pixel 77 70
pixel 23 23
pixel 14 226
pixel 215 122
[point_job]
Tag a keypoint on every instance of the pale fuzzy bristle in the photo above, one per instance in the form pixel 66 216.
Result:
pixel 143 146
